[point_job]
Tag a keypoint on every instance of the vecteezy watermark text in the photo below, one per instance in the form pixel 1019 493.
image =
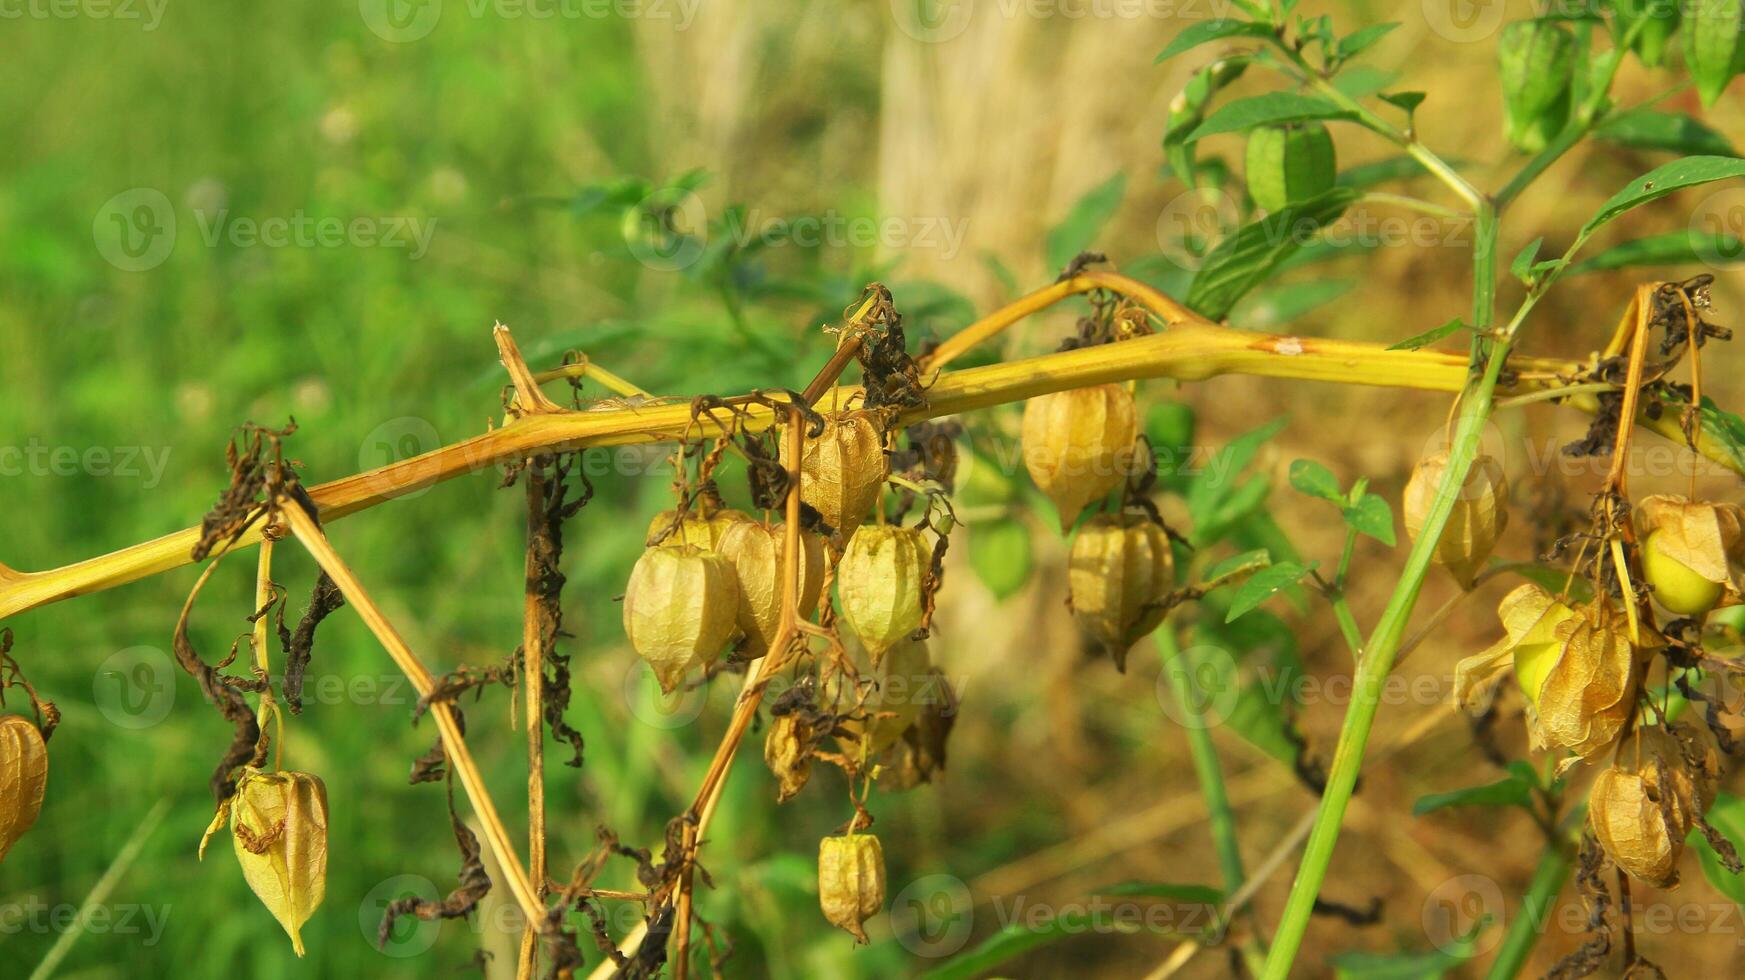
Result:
pixel 36 458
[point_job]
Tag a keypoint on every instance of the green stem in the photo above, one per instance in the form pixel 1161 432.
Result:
pixel 1220 818
pixel 1384 644
pixel 1529 924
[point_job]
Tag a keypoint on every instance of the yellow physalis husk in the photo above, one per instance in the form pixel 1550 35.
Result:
pixel 851 881
pixel 913 759
pixel 679 610
pixel 1692 552
pixel 700 530
pixel 278 823
pixel 1118 575
pixel 906 681
pixel 843 470
pixel 1475 523
pixel 1576 666
pixel 1078 444
pixel 879 579
pixel 1643 807
pixel 23 777
pixel 755 551
pixel 786 751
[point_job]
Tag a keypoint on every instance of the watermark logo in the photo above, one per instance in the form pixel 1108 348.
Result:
pixel 148 13
pixel 668 230
pixel 135 688
pixel 1717 228
pixel 933 915
pixel 411 935
pixel 656 708
pixel 1456 910
pixel 392 442
pixel 1193 223
pixel 1464 21
pixel 1211 689
pixel 932 21
pixel 400 21
pixel 135 230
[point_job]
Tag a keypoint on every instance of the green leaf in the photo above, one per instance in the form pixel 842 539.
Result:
pixel 1017 938
pixel 1236 565
pixel 1371 515
pixel 1513 791
pixel 1362 81
pixel 1001 554
pixel 1282 303
pixel 1206 31
pixel 1647 129
pixel 1265 110
pixel 1262 584
pixel 1361 40
pixel 1672 248
pixel 1522 267
pixel 1426 965
pixel 1249 256
pixel 1187 894
pixel 1217 478
pixel 1315 480
pixel 1429 337
pixel 1079 229
pixel 1664 180
pixel 1727 815
pixel 1409 101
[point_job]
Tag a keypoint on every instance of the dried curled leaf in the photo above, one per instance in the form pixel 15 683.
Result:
pixel 880 579
pixel 1118 576
pixel 851 881
pixel 679 609
pixel 1078 444
pixel 1691 552
pixel 23 776
pixel 278 824
pixel 755 550
pixel 843 469
pixel 1475 523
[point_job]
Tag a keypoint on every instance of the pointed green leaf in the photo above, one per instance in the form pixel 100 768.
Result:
pixel 1429 337
pixel 1648 129
pixel 1371 515
pixel 1664 180
pixel 1263 584
pixel 1513 791
pixel 1249 256
pixel 1672 248
pixel 1206 31
pixel 1362 39
pixel 1263 110
pixel 1315 480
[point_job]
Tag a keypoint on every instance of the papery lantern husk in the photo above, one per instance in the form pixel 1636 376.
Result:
pixel 278 824
pixel 1706 538
pixel 23 778
pixel 1643 807
pixel 755 551
pixel 843 470
pixel 701 530
pixel 1576 665
pixel 906 682
pixel 1476 522
pixel 1120 570
pixel 913 759
pixel 680 609
pixel 1078 445
pixel 851 881
pixel 880 578
pixel 787 751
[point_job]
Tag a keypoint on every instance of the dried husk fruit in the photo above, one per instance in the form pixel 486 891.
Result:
pixel 1691 552
pixel 1576 665
pixel 755 551
pixel 278 824
pixel 23 777
pixel 702 530
pixel 1475 523
pixel 879 579
pixel 1078 444
pixel 1120 570
pixel 843 469
pixel 1643 807
pixel 679 609
pixel 786 750
pixel 1287 164
pixel 906 681
pixel 851 881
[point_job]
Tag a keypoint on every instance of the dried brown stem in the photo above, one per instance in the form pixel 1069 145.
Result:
pixel 533 686
pixel 496 837
pixel 529 400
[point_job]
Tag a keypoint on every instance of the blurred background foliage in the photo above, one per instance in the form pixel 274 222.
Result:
pixel 520 143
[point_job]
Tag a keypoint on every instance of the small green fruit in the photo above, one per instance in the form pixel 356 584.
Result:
pixel 1288 164
pixel 1538 651
pixel 1676 587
